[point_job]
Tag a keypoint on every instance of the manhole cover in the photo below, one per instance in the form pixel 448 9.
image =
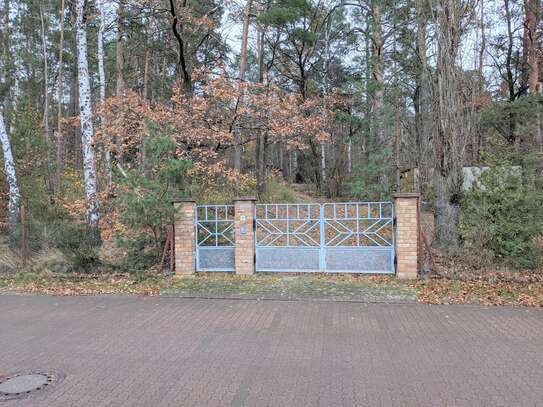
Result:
pixel 22 384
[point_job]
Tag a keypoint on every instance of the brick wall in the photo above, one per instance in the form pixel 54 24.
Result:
pixel 244 235
pixel 406 208
pixel 185 245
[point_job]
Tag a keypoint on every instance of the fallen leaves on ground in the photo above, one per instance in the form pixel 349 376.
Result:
pixel 79 284
pixel 443 291
pixel 522 288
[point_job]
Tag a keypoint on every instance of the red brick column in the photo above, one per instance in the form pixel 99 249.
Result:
pixel 406 208
pixel 184 236
pixel 244 235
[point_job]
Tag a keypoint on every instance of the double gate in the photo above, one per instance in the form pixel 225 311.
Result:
pixel 353 237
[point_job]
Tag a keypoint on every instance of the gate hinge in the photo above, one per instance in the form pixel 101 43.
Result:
pixel 394 221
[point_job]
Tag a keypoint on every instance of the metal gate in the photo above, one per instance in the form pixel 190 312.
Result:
pixel 353 237
pixel 215 238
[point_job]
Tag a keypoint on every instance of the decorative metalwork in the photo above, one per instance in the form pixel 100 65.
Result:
pixel 335 237
pixel 215 238
pixel 358 224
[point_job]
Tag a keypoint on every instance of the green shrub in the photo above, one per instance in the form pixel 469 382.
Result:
pixel 145 197
pixel 503 215
pixel 79 244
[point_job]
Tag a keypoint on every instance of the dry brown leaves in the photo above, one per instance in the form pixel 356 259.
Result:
pixel 80 284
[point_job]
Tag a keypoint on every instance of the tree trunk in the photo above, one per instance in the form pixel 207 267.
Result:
pixel 119 50
pixel 530 44
pixel 45 82
pixel 422 100
pixel 87 133
pixel 397 148
pixel 242 69
pixel 60 95
pixel 377 73
pixel 183 67
pixel 102 80
pixel 454 125
pixel 9 170
pixel 6 80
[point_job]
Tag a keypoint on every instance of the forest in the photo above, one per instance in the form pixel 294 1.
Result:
pixel 112 108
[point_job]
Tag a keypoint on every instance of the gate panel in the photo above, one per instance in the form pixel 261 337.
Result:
pixel 287 237
pixel 359 237
pixel 353 237
pixel 215 238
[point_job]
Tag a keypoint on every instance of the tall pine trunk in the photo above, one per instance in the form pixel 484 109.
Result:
pixel 422 98
pixel 377 73
pixel 242 69
pixel 85 114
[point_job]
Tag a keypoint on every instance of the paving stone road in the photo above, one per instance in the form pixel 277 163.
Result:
pixel 148 351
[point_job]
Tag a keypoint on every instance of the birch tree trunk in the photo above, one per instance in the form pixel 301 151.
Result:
pixel 6 78
pixel 102 80
pixel 9 169
pixel 60 95
pixel 85 115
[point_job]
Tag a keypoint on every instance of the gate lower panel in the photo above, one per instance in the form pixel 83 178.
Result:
pixel 215 259
pixel 295 259
pixel 359 260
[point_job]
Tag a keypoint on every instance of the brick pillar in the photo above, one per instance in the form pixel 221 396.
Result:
pixel 244 235
pixel 406 208
pixel 184 236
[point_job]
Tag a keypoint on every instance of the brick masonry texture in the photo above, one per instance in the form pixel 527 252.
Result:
pixel 145 351
pixel 185 245
pixel 244 235
pixel 407 236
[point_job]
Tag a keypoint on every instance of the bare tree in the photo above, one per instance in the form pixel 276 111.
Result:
pixel 85 112
pixel 454 119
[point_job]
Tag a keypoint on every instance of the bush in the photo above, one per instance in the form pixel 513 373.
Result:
pixel 80 245
pixel 145 197
pixel 503 216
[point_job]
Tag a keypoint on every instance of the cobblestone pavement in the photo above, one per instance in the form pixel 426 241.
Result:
pixel 145 351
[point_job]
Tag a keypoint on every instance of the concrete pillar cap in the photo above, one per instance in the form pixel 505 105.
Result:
pixel 406 195
pixel 246 198
pixel 179 200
